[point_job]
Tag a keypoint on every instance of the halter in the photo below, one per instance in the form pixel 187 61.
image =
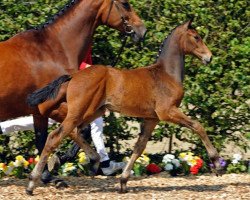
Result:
pixel 127 28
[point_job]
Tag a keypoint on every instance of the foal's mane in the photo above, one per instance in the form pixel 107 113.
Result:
pixel 164 42
pixel 57 15
pixel 166 39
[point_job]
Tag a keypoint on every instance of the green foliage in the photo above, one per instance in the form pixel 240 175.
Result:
pixel 236 168
pixel 217 94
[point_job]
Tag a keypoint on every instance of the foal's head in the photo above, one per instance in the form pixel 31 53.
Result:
pixel 120 15
pixel 191 43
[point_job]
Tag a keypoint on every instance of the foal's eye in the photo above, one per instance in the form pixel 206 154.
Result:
pixel 197 38
pixel 126 5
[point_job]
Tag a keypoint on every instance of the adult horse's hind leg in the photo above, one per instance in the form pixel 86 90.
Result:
pixel 176 116
pixel 41 134
pixel 41 131
pixel 147 128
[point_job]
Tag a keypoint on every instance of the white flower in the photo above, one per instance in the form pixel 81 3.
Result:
pixel 168 158
pixel 176 162
pixel 235 161
pixel 237 156
pixel 168 167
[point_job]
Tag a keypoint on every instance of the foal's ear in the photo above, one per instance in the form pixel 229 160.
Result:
pixel 188 24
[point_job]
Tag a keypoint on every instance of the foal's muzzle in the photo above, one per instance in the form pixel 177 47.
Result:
pixel 138 34
pixel 207 60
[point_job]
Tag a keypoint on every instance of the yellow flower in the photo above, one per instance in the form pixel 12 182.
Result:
pixel 68 167
pixel 19 158
pixel 143 160
pixel 125 159
pixel 196 157
pixel 191 162
pixel 25 163
pixel 182 155
pixel 3 166
pixel 37 159
pixel 83 159
pixel 190 154
pixel 9 168
pixel 11 164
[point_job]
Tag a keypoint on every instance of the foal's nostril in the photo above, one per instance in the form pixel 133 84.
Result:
pixel 211 58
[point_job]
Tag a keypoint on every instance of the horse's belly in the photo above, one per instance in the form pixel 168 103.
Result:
pixel 132 110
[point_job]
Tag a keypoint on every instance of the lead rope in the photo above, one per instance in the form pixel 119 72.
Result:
pixel 115 61
pixel 124 40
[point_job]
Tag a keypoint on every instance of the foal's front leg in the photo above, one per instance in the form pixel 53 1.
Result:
pixel 176 116
pixel 147 127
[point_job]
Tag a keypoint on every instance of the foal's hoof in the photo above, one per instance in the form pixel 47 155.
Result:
pixel 29 192
pixel 123 191
pixel 60 184
pixel 219 172
pixel 123 183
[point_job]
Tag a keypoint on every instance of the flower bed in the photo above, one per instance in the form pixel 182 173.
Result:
pixel 185 163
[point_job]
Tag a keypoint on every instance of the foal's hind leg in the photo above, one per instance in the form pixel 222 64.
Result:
pixel 84 145
pixel 146 132
pixel 176 116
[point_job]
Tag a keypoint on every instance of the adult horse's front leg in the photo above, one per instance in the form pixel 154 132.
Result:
pixel 146 131
pixel 176 116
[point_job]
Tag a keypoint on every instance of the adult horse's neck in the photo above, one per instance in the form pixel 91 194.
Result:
pixel 74 30
pixel 172 58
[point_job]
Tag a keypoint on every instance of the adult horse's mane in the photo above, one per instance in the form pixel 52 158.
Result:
pixel 61 12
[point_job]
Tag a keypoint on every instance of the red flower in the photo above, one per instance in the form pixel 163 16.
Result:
pixel 153 168
pixel 199 163
pixel 31 160
pixel 194 169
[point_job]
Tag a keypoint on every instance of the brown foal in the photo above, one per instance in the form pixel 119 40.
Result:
pixel 152 93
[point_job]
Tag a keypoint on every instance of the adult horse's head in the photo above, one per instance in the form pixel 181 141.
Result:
pixel 120 15
pixel 192 43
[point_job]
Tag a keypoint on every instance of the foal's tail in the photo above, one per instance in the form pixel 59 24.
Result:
pixel 48 92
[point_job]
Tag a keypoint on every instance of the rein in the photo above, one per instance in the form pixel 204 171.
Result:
pixel 127 27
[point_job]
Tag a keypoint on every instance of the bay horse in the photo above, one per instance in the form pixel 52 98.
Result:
pixel 153 93
pixel 31 59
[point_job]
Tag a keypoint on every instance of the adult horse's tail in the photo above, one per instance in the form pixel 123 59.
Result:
pixel 48 92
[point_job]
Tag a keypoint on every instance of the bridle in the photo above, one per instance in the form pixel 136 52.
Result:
pixel 127 28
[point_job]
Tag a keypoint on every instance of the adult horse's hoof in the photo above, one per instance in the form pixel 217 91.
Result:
pixel 29 192
pixel 46 177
